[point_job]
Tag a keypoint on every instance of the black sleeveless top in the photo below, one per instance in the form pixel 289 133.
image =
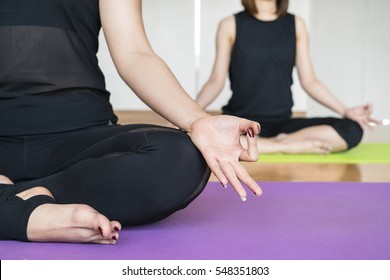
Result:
pixel 50 80
pixel 262 61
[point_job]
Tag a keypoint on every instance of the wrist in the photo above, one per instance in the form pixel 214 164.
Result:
pixel 191 121
pixel 344 111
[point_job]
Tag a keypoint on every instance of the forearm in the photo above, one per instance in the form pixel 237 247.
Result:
pixel 209 93
pixel 153 82
pixel 321 94
pixel 306 73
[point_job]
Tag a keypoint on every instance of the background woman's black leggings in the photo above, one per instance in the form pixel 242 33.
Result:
pixel 347 129
pixel 134 174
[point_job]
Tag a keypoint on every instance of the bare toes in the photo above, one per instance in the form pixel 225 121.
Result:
pixel 116 226
pixel 76 223
pixel 322 147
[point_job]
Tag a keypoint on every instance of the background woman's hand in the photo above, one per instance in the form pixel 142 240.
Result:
pixel 218 139
pixel 361 114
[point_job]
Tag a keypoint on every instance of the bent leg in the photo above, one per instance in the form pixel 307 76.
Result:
pixel 324 134
pixel 155 172
pixel 283 145
pixel 340 134
pixel 158 172
pixel 311 135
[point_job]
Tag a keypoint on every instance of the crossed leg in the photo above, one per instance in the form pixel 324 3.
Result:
pixel 321 139
pixel 76 223
pixel 110 177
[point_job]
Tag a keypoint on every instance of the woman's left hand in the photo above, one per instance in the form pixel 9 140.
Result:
pixel 218 139
pixel 362 115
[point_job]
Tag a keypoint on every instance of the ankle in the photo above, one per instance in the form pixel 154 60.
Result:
pixel 5 180
pixel 34 192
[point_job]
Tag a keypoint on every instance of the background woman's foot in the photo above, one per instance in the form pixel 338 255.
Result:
pixel 307 147
pixel 294 146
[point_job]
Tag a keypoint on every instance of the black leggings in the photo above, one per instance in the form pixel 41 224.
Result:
pixel 134 174
pixel 349 130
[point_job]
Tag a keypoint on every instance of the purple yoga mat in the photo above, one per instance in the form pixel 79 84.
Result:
pixel 290 221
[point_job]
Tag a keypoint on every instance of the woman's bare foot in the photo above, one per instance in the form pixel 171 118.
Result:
pixel 283 144
pixel 306 147
pixel 5 180
pixel 71 223
pixel 292 146
pixel 76 223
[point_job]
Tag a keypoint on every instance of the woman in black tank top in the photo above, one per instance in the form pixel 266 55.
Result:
pixel 259 47
pixel 79 176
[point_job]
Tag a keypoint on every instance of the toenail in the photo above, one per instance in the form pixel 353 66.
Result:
pixel 116 228
pixel 114 238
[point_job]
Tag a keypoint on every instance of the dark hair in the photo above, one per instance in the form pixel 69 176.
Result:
pixel 281 7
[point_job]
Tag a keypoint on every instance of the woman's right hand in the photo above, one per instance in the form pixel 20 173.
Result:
pixel 218 139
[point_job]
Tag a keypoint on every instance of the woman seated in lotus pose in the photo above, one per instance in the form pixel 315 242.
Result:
pixel 70 173
pixel 259 48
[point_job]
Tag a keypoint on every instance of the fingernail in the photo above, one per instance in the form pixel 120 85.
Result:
pixel 101 231
pixel 251 132
pixel 225 186
pixel 114 238
pixel 243 198
pixel 116 228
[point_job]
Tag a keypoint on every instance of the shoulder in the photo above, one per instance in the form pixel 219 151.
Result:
pixel 300 26
pixel 228 22
pixel 227 25
pixel 300 23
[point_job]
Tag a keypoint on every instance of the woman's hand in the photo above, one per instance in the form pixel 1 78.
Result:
pixel 361 114
pixel 218 139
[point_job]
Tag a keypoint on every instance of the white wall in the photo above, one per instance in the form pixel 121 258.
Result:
pixel 169 25
pixel 351 43
pixel 212 12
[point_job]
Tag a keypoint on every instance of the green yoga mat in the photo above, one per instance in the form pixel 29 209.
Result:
pixel 364 153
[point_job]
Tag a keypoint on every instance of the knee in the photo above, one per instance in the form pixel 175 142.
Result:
pixel 175 145
pixel 353 134
pixel 188 159
pixel 185 148
pixel 184 167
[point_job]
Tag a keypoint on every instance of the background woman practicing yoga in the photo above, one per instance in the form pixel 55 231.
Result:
pixel 259 48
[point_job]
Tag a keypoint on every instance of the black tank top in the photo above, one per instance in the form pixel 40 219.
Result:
pixel 50 80
pixel 262 61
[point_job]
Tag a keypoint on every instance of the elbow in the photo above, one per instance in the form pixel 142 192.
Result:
pixel 217 83
pixel 308 84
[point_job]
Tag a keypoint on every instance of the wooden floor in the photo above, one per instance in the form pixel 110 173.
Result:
pixel 296 172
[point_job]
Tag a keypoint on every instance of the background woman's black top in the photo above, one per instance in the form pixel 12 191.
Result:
pixel 50 80
pixel 262 61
